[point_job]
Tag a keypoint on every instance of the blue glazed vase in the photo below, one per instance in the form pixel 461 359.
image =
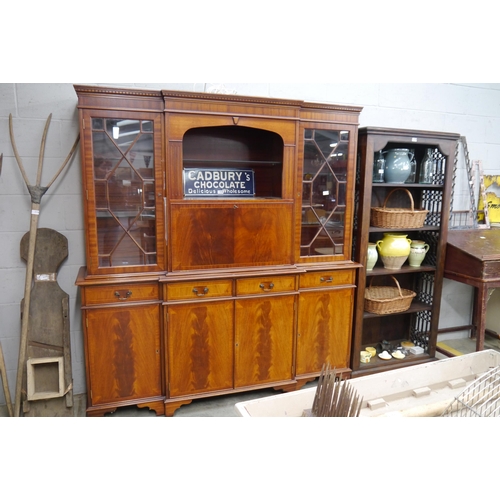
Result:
pixel 397 165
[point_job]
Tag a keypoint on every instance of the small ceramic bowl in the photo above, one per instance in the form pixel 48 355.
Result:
pixel 407 344
pixel 372 351
pixel 385 355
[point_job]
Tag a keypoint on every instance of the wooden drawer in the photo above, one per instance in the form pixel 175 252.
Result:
pixel 319 279
pixel 200 290
pixel 111 294
pixel 265 284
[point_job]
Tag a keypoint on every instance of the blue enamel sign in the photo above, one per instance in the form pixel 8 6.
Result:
pixel 208 182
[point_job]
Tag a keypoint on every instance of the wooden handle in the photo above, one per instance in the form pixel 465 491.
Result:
pixel 3 374
pixel 269 286
pixel 406 191
pixel 395 281
pixel 123 294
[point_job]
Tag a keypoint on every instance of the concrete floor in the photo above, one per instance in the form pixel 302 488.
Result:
pixel 220 406
pixel 468 345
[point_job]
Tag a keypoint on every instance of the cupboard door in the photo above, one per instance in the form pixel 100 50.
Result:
pixel 324 329
pixel 124 357
pixel 264 340
pixel 200 347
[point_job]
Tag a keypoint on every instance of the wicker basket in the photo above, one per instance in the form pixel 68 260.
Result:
pixel 387 299
pixel 398 217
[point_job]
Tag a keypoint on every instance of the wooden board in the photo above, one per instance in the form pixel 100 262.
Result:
pixel 48 330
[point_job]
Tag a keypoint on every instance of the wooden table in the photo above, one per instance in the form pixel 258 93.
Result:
pixel 473 258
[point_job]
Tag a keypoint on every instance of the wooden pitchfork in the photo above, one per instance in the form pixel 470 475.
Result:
pixel 36 192
pixel 3 369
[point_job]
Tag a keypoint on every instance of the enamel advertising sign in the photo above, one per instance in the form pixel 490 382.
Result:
pixel 208 182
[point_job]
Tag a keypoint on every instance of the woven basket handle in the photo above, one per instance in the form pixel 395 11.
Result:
pixel 395 281
pixel 401 189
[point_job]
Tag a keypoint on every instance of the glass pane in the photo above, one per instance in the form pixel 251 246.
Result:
pixel 126 252
pixel 324 192
pixel 124 191
pixel 326 141
pixel 106 156
pixel 97 124
pixel 118 245
pixel 147 126
pixel 123 132
pixel 148 195
pixel 141 157
pixel 101 195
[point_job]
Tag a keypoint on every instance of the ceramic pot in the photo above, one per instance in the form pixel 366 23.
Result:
pixel 372 256
pixel 397 165
pixel 394 249
pixel 365 357
pixel 418 251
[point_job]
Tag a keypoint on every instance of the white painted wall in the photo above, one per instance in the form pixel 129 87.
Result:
pixel 470 109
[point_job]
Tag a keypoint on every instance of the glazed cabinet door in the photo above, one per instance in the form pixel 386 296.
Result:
pixel 264 340
pixel 200 347
pixel 326 182
pixel 123 183
pixel 124 354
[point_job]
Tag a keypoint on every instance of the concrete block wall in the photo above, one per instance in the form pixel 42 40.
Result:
pixel 470 109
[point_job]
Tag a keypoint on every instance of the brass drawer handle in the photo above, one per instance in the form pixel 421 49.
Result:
pixel 328 279
pixel 270 286
pixel 197 292
pixel 127 294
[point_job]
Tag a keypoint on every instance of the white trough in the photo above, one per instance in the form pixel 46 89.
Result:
pixel 416 391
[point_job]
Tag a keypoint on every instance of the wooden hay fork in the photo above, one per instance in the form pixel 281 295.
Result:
pixel 36 193
pixel 3 369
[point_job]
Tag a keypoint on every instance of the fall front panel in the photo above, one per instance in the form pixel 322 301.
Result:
pixel 229 235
